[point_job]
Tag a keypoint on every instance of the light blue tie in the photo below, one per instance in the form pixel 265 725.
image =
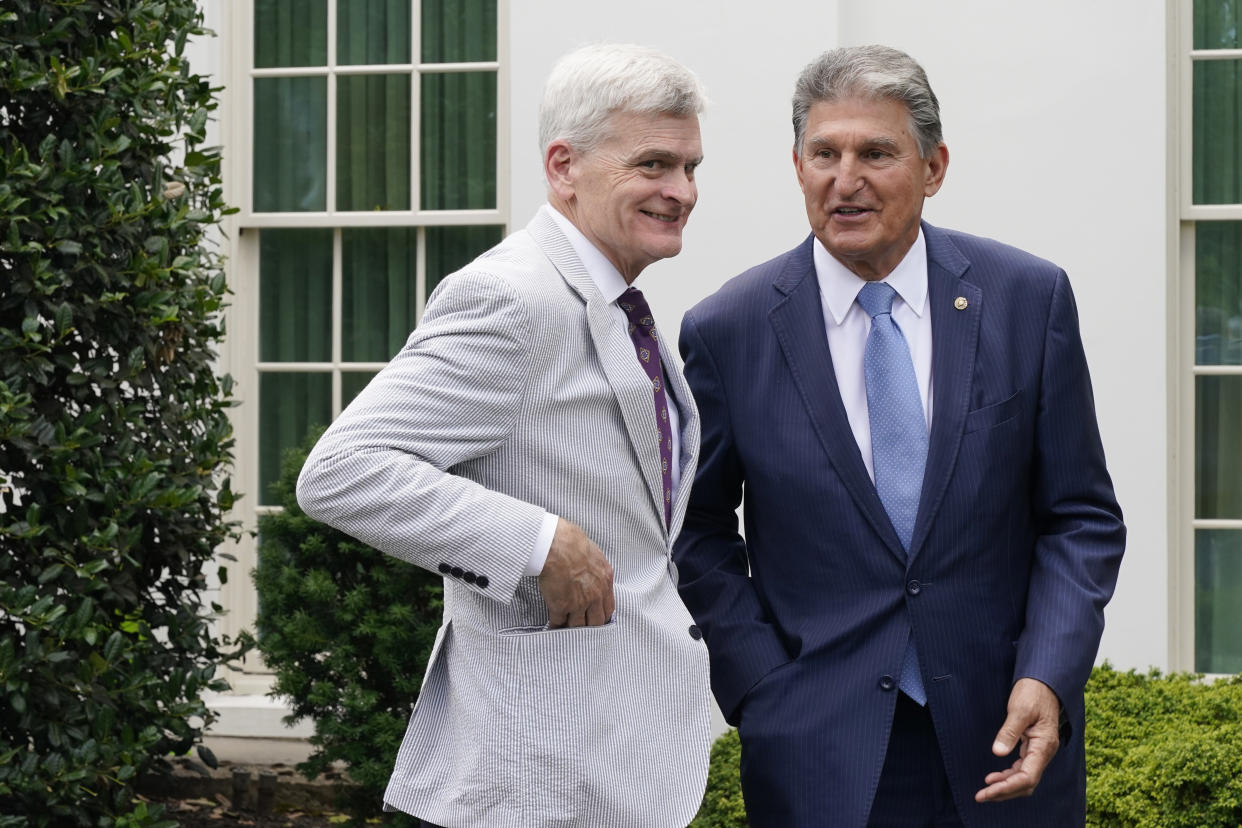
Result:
pixel 898 435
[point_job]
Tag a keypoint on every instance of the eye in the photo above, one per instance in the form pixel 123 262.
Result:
pixel 876 155
pixel 651 164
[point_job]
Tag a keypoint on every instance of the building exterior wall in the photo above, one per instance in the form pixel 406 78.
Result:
pixel 1063 141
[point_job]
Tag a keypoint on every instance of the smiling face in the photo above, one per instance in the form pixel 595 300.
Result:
pixel 632 194
pixel 864 182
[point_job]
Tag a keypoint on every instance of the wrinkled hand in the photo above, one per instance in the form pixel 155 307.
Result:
pixel 1034 721
pixel 576 580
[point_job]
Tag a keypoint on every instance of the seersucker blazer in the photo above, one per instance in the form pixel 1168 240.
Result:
pixel 519 392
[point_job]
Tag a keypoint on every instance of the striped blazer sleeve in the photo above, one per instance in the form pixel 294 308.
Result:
pixel 382 471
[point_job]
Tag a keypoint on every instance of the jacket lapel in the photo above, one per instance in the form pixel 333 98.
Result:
pixel 690 431
pixel 955 337
pixel 615 350
pixel 797 318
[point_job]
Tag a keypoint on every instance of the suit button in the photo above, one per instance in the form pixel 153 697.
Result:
pixel 914 587
pixel 444 568
pixel 695 632
pixel 887 683
pixel 481 582
pixel 469 577
pixel 456 571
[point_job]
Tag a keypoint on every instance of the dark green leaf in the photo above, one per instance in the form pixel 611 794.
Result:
pixel 208 758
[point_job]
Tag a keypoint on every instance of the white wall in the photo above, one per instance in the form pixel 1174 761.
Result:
pixel 1055 116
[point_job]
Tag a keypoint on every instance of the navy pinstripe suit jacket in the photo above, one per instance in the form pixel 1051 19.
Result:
pixel 1014 555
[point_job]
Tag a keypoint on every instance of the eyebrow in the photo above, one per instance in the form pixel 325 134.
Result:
pixel 880 141
pixel 663 155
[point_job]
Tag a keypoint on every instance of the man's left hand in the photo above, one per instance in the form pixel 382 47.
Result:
pixel 1033 720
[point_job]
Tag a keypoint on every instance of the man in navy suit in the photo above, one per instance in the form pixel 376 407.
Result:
pixel 903 631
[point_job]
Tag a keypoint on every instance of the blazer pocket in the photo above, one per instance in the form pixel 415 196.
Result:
pixel 994 414
pixel 544 630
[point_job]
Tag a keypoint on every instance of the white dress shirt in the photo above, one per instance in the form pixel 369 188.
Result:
pixel 611 285
pixel 848 324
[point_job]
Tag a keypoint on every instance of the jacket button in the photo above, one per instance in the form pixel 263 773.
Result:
pixel 469 577
pixel 481 582
pixel 695 632
pixel 444 568
pixel 887 683
pixel 456 571
pixel 914 587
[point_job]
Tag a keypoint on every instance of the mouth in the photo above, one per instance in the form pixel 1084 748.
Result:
pixel 662 217
pixel 850 210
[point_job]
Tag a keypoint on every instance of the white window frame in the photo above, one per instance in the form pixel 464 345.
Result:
pixel 240 353
pixel 1183 472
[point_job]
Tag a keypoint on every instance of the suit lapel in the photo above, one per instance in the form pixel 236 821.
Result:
pixel 955 337
pixel 690 432
pixel 797 318
pixel 615 350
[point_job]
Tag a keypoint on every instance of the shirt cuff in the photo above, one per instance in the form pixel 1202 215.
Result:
pixel 542 544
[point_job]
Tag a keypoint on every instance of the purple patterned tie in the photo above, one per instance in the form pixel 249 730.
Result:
pixel 643 332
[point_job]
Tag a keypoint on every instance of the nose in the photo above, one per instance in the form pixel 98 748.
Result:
pixel 849 178
pixel 679 186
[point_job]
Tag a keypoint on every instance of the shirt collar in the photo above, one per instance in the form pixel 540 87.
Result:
pixel 839 286
pixel 608 280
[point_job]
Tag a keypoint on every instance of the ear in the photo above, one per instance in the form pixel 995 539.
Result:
pixel 558 164
pixel 797 162
pixel 936 165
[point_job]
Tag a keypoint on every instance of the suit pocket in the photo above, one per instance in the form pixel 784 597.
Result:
pixel 542 630
pixel 995 414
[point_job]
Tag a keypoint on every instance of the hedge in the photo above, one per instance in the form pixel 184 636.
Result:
pixel 114 435
pixel 1163 751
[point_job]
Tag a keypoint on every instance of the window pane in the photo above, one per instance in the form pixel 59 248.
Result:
pixel 290 144
pixel 372 31
pixel 1218 601
pixel 458 168
pixel 1218 447
pixel 289 404
pixel 448 248
pixel 373 142
pixel 295 296
pixel 1216 24
pixel 377 279
pixel 352 382
pixel 1217 135
pixel 1218 293
pixel 459 31
pixel 290 33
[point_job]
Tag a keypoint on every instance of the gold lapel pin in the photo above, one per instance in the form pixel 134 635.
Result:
pixel 960 303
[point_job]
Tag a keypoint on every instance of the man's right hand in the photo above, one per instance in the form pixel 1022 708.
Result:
pixel 576 580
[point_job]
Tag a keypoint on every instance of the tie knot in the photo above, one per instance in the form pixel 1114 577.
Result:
pixel 876 298
pixel 636 308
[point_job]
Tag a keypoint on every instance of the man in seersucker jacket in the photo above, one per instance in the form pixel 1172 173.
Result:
pixel 533 441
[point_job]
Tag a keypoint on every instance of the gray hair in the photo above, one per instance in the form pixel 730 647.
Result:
pixel 590 84
pixel 869 72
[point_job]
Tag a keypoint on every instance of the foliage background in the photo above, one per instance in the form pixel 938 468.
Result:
pixel 114 439
pixel 347 630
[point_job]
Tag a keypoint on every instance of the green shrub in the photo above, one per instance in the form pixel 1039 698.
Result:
pixel 1162 752
pixel 347 630
pixel 114 433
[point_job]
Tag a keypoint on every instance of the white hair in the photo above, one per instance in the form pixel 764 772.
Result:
pixel 870 72
pixel 592 83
